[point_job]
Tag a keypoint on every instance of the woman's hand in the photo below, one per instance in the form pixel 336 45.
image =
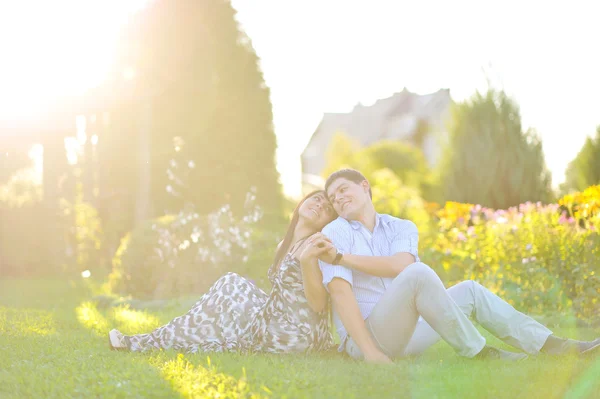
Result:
pixel 316 246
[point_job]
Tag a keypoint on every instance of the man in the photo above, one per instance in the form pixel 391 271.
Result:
pixel 388 304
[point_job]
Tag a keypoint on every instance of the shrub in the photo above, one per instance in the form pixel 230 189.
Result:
pixel 582 206
pixel 23 235
pixel 83 235
pixel 531 255
pixel 182 254
pixel 391 196
pixel 23 242
pixel 24 188
pixel 405 161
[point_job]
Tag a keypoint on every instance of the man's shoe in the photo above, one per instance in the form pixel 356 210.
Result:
pixel 489 352
pixel 116 341
pixel 563 346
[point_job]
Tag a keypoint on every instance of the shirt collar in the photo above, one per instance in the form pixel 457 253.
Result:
pixel 356 225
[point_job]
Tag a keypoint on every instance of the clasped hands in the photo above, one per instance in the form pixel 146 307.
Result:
pixel 320 247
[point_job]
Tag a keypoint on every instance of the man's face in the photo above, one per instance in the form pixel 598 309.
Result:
pixel 348 198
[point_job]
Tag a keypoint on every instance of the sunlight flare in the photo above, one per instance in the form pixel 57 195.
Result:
pixel 203 381
pixel 135 321
pixel 89 316
pixel 63 48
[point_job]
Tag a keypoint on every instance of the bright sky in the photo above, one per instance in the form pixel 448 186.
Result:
pixel 326 55
pixel 58 47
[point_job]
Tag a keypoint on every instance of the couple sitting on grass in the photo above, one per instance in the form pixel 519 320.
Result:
pixel 387 304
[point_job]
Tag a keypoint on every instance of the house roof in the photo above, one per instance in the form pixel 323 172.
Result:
pixel 368 123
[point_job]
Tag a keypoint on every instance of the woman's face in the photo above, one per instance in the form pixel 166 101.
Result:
pixel 316 211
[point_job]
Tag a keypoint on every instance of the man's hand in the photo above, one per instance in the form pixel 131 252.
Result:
pixel 329 253
pixel 377 357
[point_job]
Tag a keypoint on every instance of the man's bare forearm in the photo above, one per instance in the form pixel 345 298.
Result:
pixel 380 266
pixel 346 306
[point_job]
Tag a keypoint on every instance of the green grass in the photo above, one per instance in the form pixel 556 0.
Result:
pixel 53 343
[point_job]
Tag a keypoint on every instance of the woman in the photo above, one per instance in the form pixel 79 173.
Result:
pixel 236 315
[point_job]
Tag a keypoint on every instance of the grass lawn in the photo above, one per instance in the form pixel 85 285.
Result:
pixel 53 343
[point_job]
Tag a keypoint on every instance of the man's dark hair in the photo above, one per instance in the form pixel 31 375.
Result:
pixel 350 174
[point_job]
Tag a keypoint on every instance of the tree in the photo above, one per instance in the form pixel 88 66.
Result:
pixel 12 159
pixel 342 152
pixel 584 170
pixel 405 161
pixel 197 71
pixel 489 160
pixel 392 197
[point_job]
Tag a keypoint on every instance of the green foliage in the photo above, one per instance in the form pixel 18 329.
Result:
pixel 489 159
pixel 198 74
pixel 22 240
pixel 397 172
pixel 84 234
pixel 11 161
pixel 342 152
pixel 584 170
pixel 23 188
pixel 118 177
pixel 392 197
pixel 405 161
pixel 34 241
pixel 262 244
pixel 531 255
pixel 22 236
pixel 182 253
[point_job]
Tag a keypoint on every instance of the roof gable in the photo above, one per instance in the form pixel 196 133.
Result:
pixel 368 123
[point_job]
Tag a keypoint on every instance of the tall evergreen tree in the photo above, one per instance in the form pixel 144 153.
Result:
pixel 211 115
pixel 584 170
pixel 489 159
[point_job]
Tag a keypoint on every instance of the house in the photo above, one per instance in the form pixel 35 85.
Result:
pixel 414 118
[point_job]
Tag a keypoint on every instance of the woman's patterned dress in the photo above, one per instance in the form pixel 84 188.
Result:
pixel 236 315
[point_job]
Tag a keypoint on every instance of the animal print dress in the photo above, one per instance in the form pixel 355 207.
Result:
pixel 236 315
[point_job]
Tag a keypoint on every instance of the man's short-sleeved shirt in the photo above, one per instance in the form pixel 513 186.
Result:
pixel 390 236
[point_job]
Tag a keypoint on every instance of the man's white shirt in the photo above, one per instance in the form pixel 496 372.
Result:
pixel 390 236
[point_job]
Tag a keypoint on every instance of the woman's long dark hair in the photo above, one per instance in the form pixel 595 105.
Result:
pixel 289 235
